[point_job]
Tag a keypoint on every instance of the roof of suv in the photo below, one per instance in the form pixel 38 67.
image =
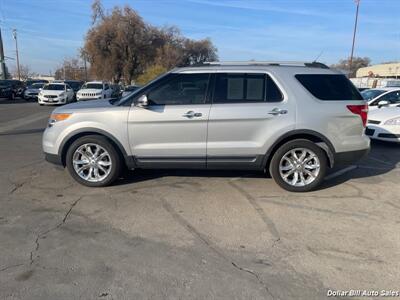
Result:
pixel 294 67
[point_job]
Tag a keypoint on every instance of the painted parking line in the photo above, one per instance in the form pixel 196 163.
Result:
pixel 340 172
pixel 14 124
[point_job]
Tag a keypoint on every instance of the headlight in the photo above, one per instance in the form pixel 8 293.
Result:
pixel 54 118
pixel 394 121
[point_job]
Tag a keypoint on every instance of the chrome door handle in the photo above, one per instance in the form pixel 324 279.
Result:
pixel 277 111
pixel 191 114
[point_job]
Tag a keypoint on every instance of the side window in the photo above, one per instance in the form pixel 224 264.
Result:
pixel 179 89
pixel 245 88
pixel 274 94
pixel 393 97
pixel 106 87
pixel 239 88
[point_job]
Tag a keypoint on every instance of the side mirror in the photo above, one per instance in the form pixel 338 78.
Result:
pixel 383 103
pixel 142 101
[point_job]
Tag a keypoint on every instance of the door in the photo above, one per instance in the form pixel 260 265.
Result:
pixel 171 131
pixel 249 111
pixel 393 98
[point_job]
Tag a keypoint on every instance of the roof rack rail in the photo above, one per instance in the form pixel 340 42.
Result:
pixel 313 64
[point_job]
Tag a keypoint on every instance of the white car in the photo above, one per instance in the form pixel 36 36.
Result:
pixel 94 90
pixel 384 124
pixel 55 93
pixel 381 97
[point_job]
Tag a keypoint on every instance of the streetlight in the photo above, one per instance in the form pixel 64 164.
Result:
pixel 354 34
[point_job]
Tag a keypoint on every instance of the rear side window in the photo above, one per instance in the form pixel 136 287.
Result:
pixel 329 87
pixel 244 88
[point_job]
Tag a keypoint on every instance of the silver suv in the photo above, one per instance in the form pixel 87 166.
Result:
pixel 293 119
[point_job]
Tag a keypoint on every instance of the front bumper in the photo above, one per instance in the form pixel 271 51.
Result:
pixel 52 101
pixel 31 96
pixel 5 94
pixel 388 133
pixel 80 98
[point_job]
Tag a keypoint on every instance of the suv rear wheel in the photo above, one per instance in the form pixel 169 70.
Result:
pixel 298 166
pixel 93 161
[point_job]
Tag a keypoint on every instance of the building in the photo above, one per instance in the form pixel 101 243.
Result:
pixel 380 71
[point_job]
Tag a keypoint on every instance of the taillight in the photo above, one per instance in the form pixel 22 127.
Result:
pixel 361 110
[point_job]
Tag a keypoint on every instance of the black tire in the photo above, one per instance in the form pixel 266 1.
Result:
pixel 285 148
pixel 116 163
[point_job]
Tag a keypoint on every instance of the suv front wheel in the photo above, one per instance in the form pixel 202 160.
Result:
pixel 93 161
pixel 298 166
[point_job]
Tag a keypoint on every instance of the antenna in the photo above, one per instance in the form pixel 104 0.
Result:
pixel 319 55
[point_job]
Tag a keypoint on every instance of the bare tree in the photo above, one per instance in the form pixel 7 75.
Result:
pixel 120 45
pixel 72 69
pixel 25 72
pixel 358 62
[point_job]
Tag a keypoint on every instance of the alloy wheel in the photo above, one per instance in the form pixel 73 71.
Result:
pixel 92 162
pixel 299 167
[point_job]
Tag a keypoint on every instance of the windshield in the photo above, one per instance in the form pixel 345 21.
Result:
pixel 371 94
pixel 96 86
pixel 54 87
pixel 36 85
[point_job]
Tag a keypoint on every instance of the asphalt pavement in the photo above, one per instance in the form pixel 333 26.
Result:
pixel 190 234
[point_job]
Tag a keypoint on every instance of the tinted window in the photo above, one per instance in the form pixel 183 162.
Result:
pixel 236 88
pixel 180 89
pixel 392 97
pixel 329 87
pixel 274 94
pixel 242 88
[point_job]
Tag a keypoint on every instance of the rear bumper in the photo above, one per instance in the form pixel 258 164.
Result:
pixel 348 157
pixel 53 158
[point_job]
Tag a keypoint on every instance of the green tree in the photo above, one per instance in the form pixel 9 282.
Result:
pixel 150 73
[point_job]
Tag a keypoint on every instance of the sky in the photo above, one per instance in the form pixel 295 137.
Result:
pixel 302 30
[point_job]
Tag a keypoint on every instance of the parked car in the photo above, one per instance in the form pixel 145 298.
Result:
pixel 384 124
pixel 295 120
pixel 74 84
pixel 6 90
pixel 129 89
pixel 116 90
pixel 17 88
pixel 382 97
pixel 94 90
pixel 32 91
pixel 55 93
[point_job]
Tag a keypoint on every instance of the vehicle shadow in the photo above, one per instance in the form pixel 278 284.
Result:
pixel 382 159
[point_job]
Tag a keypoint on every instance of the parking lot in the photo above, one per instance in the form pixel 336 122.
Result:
pixel 190 234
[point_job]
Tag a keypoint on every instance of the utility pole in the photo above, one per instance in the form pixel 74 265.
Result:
pixel 84 62
pixel 2 61
pixel 354 35
pixel 16 51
